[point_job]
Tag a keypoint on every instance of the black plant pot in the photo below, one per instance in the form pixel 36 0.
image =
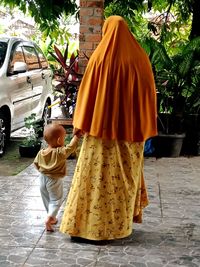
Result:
pixel 191 144
pixel 29 151
pixel 40 123
pixel 168 145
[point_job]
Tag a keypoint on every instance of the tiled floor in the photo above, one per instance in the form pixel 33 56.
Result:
pixel 168 237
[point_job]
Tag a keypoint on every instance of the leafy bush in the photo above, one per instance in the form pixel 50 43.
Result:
pixel 33 128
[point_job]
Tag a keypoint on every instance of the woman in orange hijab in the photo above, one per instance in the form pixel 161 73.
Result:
pixel 116 109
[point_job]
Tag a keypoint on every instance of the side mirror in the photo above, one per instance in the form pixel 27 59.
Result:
pixel 20 67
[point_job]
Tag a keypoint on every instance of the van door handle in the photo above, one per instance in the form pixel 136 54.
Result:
pixel 28 79
pixel 43 76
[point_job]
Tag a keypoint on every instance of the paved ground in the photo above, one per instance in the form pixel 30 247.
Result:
pixel 169 236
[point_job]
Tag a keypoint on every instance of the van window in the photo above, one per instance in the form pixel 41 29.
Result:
pixel 3 49
pixel 42 58
pixel 31 58
pixel 16 56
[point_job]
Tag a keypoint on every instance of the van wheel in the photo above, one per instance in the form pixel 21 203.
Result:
pixel 4 133
pixel 44 120
pixel 46 114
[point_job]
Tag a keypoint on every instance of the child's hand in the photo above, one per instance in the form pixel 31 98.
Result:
pixel 77 132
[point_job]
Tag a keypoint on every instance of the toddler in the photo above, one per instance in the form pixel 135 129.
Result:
pixel 51 163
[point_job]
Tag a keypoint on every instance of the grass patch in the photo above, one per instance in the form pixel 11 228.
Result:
pixel 11 163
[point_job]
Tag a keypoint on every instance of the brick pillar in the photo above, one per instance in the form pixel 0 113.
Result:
pixel 91 21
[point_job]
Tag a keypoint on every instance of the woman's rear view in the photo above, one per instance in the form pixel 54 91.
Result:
pixel 116 108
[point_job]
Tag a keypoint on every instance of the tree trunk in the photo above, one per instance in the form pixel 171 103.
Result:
pixel 195 29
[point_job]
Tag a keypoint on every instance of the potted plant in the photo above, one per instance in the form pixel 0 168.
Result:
pixel 31 143
pixel 177 81
pixel 191 144
pixel 67 79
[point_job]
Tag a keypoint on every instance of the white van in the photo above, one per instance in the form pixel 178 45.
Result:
pixel 25 85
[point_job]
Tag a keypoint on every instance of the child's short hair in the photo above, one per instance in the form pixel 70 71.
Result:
pixel 52 132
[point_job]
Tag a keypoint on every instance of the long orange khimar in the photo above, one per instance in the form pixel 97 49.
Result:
pixel 117 96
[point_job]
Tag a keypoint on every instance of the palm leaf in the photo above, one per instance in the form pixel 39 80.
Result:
pixel 186 65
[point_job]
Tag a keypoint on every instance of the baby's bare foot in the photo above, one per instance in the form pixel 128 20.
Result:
pixel 53 220
pixel 48 226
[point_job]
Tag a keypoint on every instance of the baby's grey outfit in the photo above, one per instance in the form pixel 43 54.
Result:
pixel 52 194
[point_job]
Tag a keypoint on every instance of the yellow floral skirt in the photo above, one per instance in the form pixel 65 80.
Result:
pixel 108 191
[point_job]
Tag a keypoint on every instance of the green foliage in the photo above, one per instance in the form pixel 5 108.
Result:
pixel 169 22
pixel 47 14
pixel 125 5
pixel 157 53
pixel 131 11
pixel 178 79
pixel 68 138
pixel 63 62
pixel 33 127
